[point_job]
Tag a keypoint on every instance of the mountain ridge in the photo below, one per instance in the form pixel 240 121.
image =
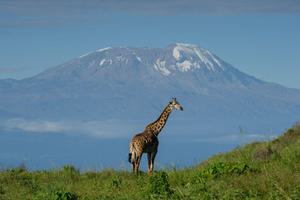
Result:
pixel 135 83
pixel 175 57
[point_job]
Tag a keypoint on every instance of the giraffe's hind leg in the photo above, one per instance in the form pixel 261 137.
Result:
pixel 137 164
pixel 133 166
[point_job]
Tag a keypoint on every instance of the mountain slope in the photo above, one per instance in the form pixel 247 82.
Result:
pixel 135 84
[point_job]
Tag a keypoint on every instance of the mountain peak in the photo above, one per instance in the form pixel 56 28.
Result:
pixel 187 45
pixel 98 50
pixel 182 57
pixel 177 59
pixel 189 57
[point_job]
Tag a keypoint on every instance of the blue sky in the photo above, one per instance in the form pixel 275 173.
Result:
pixel 258 37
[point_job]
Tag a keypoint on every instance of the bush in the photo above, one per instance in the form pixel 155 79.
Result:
pixel 263 153
pixel 221 168
pixel 69 169
pixel 159 185
pixel 56 195
pixel 116 182
pixel 2 190
pixel 62 195
pixel 70 172
pixel 28 181
pixel 18 170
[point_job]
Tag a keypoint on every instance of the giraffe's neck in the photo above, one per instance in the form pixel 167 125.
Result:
pixel 157 126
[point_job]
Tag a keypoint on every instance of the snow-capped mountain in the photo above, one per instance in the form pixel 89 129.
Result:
pixel 127 83
pixel 176 59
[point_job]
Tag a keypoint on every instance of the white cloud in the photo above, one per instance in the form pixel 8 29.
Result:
pixel 113 129
pixel 104 129
pixel 237 138
pixel 35 126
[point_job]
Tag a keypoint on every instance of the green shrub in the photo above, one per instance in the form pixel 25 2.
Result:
pixel 55 195
pixel 200 183
pixel 116 182
pixel 2 190
pixel 63 195
pixel 70 171
pixel 28 181
pixel 91 174
pixel 17 170
pixel 223 168
pixel 159 184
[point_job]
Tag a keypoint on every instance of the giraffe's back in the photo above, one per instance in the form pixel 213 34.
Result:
pixel 145 142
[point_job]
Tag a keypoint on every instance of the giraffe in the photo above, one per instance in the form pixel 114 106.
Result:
pixel 147 141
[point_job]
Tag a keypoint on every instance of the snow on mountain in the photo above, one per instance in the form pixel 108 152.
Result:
pixel 176 60
pixel 192 56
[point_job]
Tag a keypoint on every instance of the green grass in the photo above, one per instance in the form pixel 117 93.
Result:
pixel 260 170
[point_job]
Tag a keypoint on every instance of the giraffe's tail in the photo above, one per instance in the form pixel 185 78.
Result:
pixel 132 154
pixel 129 157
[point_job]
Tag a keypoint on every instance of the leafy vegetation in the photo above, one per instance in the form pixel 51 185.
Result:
pixel 260 170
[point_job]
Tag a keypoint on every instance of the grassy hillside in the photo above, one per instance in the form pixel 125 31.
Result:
pixel 261 170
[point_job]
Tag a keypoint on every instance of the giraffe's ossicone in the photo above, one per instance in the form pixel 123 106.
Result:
pixel 147 141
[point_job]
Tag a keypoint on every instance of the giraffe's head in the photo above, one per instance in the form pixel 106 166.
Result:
pixel 175 104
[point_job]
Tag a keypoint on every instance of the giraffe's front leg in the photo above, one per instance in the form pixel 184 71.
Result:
pixel 151 166
pixel 149 163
